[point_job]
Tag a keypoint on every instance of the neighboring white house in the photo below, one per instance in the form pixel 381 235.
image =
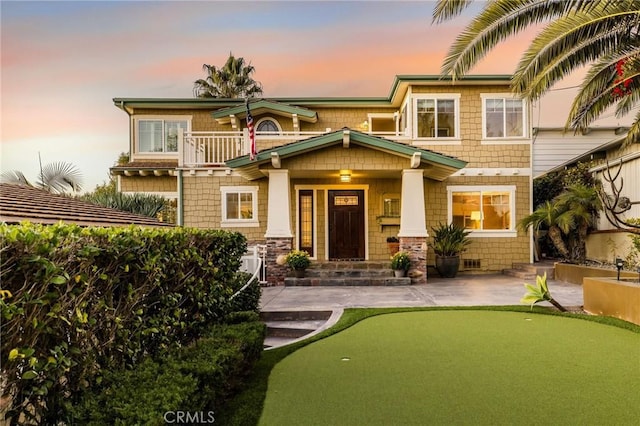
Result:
pixel 608 242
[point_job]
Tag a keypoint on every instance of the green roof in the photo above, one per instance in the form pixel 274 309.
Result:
pixel 289 105
pixel 270 105
pixel 446 163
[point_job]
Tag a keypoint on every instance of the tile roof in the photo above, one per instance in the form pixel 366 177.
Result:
pixel 23 203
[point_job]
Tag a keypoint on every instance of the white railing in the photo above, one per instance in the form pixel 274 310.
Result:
pixel 198 149
pixel 253 262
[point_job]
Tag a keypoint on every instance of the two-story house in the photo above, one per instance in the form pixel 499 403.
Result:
pixel 337 176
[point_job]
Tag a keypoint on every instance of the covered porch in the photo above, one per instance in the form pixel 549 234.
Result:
pixel 340 195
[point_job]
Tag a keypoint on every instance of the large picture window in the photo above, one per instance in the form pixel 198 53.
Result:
pixel 436 117
pixel 239 206
pixel 158 135
pixel 483 209
pixel 503 117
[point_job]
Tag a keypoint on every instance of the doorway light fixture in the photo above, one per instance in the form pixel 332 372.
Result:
pixel 345 176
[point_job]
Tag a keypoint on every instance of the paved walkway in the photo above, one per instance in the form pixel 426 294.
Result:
pixel 464 290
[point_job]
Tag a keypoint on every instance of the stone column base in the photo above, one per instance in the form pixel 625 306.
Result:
pixel 417 249
pixel 276 247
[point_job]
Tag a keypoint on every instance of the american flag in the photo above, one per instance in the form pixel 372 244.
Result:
pixel 252 133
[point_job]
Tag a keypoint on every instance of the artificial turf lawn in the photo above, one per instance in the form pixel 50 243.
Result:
pixel 461 367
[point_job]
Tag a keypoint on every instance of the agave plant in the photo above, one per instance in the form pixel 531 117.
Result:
pixel 449 240
pixel 540 293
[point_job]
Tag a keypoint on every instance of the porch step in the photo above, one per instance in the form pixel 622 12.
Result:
pixel 529 271
pixel 348 281
pixel 284 327
pixel 348 273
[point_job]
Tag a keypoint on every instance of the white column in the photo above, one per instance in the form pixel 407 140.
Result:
pixel 412 209
pixel 279 205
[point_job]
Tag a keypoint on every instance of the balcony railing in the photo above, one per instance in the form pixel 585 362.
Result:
pixel 200 149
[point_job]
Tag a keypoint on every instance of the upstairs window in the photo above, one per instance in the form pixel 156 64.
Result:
pixel 157 135
pixel 436 117
pixel 503 117
pixel 268 125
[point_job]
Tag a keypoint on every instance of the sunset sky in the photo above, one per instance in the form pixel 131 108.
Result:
pixel 64 62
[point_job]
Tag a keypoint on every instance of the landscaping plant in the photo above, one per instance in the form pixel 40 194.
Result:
pixel 77 302
pixel 540 293
pixel 400 261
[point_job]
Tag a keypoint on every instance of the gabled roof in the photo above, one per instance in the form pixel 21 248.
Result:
pixel 23 203
pixel 438 166
pixel 263 106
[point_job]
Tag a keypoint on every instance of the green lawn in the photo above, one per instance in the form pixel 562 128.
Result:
pixel 461 367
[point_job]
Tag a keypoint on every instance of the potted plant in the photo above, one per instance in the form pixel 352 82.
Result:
pixel 299 261
pixel 448 242
pixel 393 244
pixel 400 263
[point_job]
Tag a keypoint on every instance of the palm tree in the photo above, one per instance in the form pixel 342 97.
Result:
pixel 58 178
pixel 548 215
pixel 233 80
pixel 603 35
pixel 582 204
pixel 568 217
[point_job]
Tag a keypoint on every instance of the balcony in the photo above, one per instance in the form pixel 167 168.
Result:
pixel 206 149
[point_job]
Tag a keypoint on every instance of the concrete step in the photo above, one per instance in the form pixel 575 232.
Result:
pixel 529 271
pixel 284 327
pixel 348 273
pixel 348 281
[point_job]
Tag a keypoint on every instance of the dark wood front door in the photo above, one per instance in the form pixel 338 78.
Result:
pixel 346 224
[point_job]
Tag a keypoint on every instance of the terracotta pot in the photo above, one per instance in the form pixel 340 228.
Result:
pixel 393 248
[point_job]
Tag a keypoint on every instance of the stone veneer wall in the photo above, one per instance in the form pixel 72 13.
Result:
pixel 276 247
pixel 416 247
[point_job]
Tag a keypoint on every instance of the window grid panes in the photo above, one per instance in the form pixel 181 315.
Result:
pixel 436 118
pixel 504 118
pixel 482 210
pixel 159 135
pixel 391 207
pixel 239 206
pixel 268 126
pixel 306 220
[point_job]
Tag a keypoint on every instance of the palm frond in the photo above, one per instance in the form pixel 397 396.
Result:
pixel 15 177
pixel 448 9
pixel 597 91
pixel 568 43
pixel 498 21
pixel 60 177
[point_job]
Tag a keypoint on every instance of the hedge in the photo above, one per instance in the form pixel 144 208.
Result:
pixel 80 301
pixel 198 378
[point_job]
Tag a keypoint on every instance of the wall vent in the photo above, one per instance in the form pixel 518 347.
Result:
pixel 471 263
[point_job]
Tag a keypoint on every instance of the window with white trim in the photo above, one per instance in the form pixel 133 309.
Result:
pixel 268 125
pixel 503 117
pixel 436 117
pixel 239 206
pixel 159 135
pixel 485 209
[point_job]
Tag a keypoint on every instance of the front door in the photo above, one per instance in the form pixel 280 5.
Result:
pixel 346 225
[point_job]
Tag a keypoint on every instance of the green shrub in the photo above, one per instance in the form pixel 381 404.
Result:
pixel 77 302
pixel 249 298
pixel 199 377
pixel 138 396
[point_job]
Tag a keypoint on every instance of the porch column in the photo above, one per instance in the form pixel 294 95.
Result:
pixel 279 236
pixel 413 226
